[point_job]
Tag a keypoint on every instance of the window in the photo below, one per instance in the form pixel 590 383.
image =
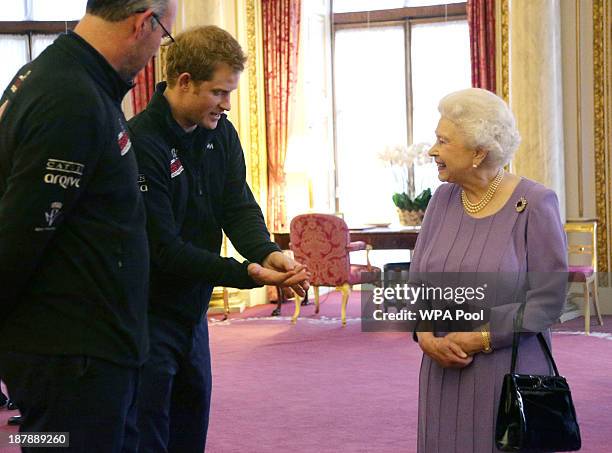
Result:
pixel 345 6
pixel 391 67
pixel 27 27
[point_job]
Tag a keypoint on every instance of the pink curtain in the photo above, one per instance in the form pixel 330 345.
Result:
pixel 144 87
pixel 281 33
pixel 481 21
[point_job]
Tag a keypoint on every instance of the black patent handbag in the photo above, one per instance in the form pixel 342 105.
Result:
pixel 536 413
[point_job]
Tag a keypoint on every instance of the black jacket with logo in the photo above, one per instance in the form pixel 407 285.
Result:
pixel 74 256
pixel 194 187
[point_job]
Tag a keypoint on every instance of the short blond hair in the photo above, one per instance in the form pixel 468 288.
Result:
pixel 200 50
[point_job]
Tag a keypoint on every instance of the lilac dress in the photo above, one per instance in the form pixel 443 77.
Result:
pixel 458 407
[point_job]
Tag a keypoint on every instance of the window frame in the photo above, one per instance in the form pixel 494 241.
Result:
pixel 406 16
pixel 30 27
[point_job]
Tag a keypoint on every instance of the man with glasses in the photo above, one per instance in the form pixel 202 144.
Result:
pixel 167 38
pixel 74 254
pixel 193 179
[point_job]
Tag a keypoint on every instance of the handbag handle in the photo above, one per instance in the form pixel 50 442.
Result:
pixel 518 324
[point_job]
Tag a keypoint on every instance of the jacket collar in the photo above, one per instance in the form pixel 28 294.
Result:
pixel 160 107
pixel 95 64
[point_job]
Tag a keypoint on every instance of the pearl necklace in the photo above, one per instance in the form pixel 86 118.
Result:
pixel 474 208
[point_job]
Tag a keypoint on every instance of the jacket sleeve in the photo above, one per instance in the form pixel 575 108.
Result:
pixel 169 252
pixel 242 219
pixel 53 153
pixel 546 274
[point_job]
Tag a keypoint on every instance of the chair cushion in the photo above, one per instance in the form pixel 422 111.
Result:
pixel 359 273
pixel 579 273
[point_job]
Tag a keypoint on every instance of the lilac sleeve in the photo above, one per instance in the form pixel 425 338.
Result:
pixel 546 251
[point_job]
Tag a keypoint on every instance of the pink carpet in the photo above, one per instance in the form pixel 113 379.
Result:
pixel 317 387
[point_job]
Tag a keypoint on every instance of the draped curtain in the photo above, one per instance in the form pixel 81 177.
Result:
pixel 481 21
pixel 144 87
pixel 281 32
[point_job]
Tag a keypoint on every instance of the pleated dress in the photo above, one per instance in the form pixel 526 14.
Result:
pixel 458 407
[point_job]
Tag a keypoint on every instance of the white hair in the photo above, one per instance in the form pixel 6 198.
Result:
pixel 485 120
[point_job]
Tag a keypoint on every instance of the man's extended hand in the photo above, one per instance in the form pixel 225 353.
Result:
pixel 278 261
pixel 265 276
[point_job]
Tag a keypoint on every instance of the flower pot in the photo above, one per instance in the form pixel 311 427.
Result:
pixel 410 218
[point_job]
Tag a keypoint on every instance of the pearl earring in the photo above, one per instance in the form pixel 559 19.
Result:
pixel 475 165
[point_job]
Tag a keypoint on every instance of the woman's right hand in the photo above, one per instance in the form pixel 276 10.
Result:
pixel 443 351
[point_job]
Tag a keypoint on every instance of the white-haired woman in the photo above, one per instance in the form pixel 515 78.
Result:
pixel 484 220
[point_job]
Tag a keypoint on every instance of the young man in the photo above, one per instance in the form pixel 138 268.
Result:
pixel 192 176
pixel 75 262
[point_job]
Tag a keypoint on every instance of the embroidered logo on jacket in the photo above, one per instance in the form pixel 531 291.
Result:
pixel 3 108
pixel 176 167
pixel 142 183
pixel 50 217
pixel 18 81
pixel 15 85
pixel 210 146
pixel 62 173
pixel 123 140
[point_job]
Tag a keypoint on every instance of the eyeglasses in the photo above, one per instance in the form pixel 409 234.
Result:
pixel 167 39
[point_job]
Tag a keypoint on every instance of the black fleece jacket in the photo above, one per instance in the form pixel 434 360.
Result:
pixel 194 187
pixel 73 250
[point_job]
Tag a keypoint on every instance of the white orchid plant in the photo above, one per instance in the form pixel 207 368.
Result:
pixel 401 159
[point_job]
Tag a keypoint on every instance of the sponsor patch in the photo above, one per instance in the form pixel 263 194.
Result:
pixel 123 139
pixel 18 81
pixel 3 108
pixel 142 183
pixel 51 216
pixel 176 167
pixel 65 166
pixel 64 173
pixel 64 181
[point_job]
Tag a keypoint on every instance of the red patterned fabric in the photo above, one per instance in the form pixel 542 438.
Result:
pixel 281 34
pixel 322 242
pixel 144 87
pixel 481 21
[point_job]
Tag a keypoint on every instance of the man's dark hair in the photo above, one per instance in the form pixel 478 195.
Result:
pixel 118 10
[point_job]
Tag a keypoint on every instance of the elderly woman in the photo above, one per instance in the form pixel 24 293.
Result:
pixel 483 220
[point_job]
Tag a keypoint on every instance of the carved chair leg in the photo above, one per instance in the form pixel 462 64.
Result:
pixel 296 313
pixel 281 299
pixel 316 297
pixel 305 300
pixel 587 310
pixel 596 301
pixel 346 291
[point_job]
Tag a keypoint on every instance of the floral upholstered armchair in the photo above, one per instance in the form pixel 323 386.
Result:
pixel 323 242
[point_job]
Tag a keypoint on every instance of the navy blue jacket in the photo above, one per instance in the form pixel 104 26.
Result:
pixel 74 256
pixel 194 187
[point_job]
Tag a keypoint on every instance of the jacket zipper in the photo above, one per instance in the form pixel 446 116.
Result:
pixel 199 184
